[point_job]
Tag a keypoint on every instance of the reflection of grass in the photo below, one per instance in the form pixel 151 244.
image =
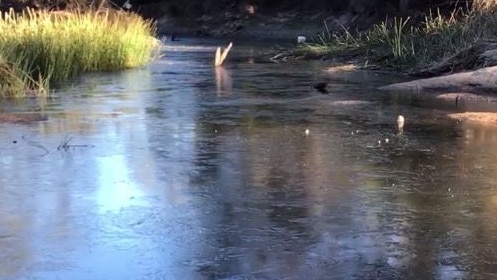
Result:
pixel 404 44
pixel 38 47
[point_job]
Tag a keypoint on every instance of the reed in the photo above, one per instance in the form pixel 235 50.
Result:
pixel 38 47
pixel 407 45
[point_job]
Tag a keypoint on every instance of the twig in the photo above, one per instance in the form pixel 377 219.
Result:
pixel 64 144
pixel 221 56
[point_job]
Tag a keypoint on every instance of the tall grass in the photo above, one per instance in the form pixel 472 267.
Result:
pixel 408 44
pixel 41 47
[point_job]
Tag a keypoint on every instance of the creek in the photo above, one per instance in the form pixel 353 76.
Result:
pixel 182 171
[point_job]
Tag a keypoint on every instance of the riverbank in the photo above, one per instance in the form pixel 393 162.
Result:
pixel 418 42
pixel 285 26
pixel 433 45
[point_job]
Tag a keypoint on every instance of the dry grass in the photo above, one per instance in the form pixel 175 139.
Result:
pixel 41 47
pixel 407 45
pixel 485 5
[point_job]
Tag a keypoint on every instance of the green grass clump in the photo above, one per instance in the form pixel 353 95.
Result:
pixel 42 47
pixel 407 45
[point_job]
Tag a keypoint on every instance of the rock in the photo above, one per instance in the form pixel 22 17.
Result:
pixel 321 87
pixel 482 79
